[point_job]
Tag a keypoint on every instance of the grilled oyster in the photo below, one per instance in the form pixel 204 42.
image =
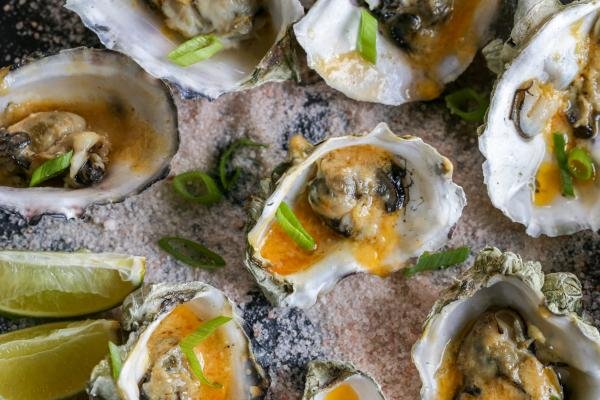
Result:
pixel 120 124
pixel 549 87
pixel 372 204
pixel 255 34
pixel 157 318
pixel 329 380
pixel 506 330
pixel 421 45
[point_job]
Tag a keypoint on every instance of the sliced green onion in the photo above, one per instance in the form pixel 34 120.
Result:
pixel 367 37
pixel 188 343
pixel 195 50
pixel 560 151
pixel 115 360
pixel 432 261
pixel 580 163
pixel 51 169
pixel 229 179
pixel 467 104
pixel 292 226
pixel 191 253
pixel 198 187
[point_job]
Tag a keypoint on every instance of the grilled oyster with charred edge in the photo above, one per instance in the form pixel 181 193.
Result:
pixel 134 28
pixel 549 306
pixel 432 205
pixel 143 312
pixel 323 377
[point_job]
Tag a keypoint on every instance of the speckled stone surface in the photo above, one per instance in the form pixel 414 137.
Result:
pixel 367 320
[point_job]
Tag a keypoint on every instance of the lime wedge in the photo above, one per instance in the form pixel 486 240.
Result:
pixel 52 361
pixel 61 285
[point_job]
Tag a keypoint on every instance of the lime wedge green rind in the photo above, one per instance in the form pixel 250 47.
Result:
pixel 62 285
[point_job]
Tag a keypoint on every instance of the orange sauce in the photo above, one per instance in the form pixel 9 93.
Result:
pixel 132 140
pixel 448 376
pixel 215 351
pixel 342 392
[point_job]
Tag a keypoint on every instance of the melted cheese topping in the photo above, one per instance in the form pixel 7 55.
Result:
pixel 342 392
pixel 285 257
pixel 213 353
pixel 132 140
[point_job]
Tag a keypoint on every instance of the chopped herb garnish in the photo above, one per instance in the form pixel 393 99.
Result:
pixel 115 360
pixel 51 169
pixel 227 174
pixel 581 165
pixel 292 226
pixel 195 50
pixel 367 36
pixel 467 104
pixel 191 253
pixel 432 261
pixel 188 343
pixel 560 151
pixel 198 187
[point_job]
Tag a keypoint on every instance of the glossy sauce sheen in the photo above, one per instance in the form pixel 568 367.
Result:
pixel 342 392
pixel 286 257
pixel 214 350
pixel 132 140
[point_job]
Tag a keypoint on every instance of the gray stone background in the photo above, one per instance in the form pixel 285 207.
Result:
pixel 367 320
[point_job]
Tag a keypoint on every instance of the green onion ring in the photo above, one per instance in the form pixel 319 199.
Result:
pixel 560 152
pixel 195 50
pixel 115 360
pixel 457 102
pixel 367 36
pixel 432 261
pixel 51 169
pixel 293 228
pixel 581 165
pixel 192 182
pixel 191 253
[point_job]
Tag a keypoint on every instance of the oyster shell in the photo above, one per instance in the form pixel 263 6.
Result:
pixel 330 380
pixel 136 29
pixel 156 318
pixel 546 88
pixel 41 110
pixel 529 323
pixel 372 204
pixel 421 46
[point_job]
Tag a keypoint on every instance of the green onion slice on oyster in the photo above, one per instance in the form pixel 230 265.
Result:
pixel 507 331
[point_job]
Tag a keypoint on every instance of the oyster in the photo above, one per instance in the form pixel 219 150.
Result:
pixel 372 203
pixel 255 34
pixel 120 124
pixel 506 330
pixel 157 318
pixel 328 380
pixel 421 45
pixel 549 87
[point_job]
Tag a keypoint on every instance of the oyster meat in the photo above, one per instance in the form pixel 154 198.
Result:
pixel 421 45
pixel 550 87
pixel 119 123
pixel 372 204
pixel 255 35
pixel 157 318
pixel 331 380
pixel 507 331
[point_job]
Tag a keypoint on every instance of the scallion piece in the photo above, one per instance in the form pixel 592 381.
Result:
pixel 195 50
pixel 51 169
pixel 581 165
pixel 115 360
pixel 292 226
pixel 191 253
pixel 188 343
pixel 228 175
pixel 367 37
pixel 467 104
pixel 432 261
pixel 198 187
pixel 560 152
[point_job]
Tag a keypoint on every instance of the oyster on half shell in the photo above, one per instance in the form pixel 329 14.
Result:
pixel 120 123
pixel 549 87
pixel 506 330
pixel 157 318
pixel 255 34
pixel 372 203
pixel 330 380
pixel 421 45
